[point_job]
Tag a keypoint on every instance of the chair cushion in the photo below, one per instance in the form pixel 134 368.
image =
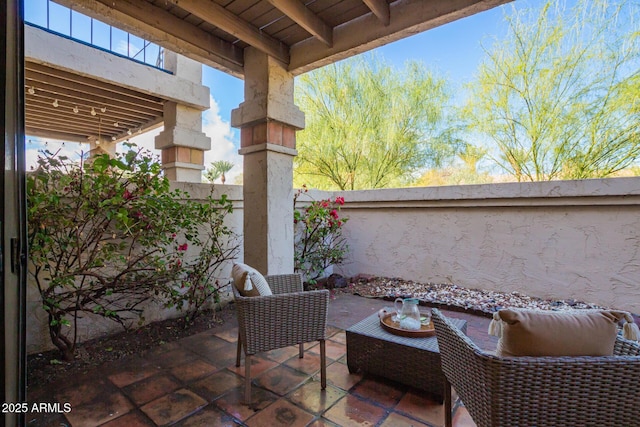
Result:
pixel 249 281
pixel 558 333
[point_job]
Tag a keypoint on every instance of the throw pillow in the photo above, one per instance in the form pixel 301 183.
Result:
pixel 249 281
pixel 556 333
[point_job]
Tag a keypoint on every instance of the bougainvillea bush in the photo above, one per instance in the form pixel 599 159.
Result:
pixel 318 242
pixel 109 234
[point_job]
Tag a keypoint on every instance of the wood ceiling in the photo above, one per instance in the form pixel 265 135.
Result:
pixel 302 34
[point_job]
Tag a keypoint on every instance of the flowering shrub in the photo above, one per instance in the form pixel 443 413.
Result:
pixel 318 240
pixel 105 236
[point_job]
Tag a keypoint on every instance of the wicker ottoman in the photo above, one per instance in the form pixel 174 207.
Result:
pixel 411 361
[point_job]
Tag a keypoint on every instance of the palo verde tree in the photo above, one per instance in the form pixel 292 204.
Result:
pixel 559 96
pixel 109 234
pixel 369 125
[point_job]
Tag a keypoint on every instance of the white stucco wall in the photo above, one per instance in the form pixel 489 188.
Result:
pixel 91 326
pixel 570 239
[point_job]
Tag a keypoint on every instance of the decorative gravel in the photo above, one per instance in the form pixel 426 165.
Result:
pixel 455 297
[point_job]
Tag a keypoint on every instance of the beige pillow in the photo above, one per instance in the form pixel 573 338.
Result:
pixel 249 281
pixel 557 333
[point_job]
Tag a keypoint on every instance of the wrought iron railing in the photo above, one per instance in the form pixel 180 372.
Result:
pixel 61 20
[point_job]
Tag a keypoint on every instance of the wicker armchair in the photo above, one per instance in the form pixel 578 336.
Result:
pixel 539 391
pixel 288 317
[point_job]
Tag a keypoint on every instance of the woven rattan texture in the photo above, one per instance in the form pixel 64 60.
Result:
pixel 411 361
pixel 541 391
pixel 290 316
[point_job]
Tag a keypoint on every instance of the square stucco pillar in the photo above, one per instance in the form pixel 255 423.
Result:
pixel 268 119
pixel 182 141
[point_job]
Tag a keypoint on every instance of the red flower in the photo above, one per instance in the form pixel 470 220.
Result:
pixel 183 247
pixel 340 200
pixel 127 195
pixel 334 214
pixel 324 203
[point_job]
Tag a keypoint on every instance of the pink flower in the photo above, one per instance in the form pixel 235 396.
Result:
pixel 334 213
pixel 340 200
pixel 183 247
pixel 324 204
pixel 127 195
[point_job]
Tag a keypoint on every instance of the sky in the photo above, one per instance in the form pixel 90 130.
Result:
pixel 454 50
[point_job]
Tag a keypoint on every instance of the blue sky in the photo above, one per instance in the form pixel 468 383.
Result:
pixel 453 50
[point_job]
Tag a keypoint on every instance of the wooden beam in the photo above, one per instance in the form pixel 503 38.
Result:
pixel 380 8
pixel 308 20
pixel 165 29
pixel 228 22
pixel 407 17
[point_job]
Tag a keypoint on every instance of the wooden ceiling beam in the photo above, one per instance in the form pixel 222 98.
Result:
pixel 380 8
pixel 165 29
pixel 304 17
pixel 228 22
pixel 55 134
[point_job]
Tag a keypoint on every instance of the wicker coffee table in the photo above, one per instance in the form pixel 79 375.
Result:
pixel 411 361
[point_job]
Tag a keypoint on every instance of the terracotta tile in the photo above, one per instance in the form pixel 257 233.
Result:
pixel 422 408
pixel 384 393
pixel 233 402
pixel 229 334
pixel 281 354
pixel 312 398
pixel 339 337
pixel 217 384
pixel 397 420
pixel 309 364
pixel 338 375
pixel 193 370
pixel 330 331
pixel 84 389
pixel 214 350
pixel 351 410
pixel 281 380
pixel 45 419
pixel 132 371
pixel 151 388
pixel 210 416
pixel 281 413
pixel 335 350
pixel 174 358
pixel 173 407
pixel 132 419
pixel 99 410
pixel 258 365
pixel 461 418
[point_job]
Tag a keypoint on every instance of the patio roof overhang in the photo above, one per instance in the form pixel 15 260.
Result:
pixel 303 35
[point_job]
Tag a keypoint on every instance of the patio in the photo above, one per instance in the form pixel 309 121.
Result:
pixel 194 382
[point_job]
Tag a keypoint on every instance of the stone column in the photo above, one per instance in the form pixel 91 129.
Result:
pixel 268 119
pixel 182 141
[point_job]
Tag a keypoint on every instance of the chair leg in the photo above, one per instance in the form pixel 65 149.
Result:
pixel 239 350
pixel 448 422
pixel 247 379
pixel 323 365
pixel 301 351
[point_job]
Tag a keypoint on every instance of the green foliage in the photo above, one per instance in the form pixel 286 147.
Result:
pixel 559 97
pixel 107 235
pixel 218 169
pixel 318 237
pixel 369 125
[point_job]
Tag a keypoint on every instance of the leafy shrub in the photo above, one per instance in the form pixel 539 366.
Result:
pixel 318 239
pixel 107 235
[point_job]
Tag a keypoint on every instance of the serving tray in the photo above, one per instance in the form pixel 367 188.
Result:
pixel 393 327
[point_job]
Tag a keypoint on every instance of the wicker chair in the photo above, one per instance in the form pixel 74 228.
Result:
pixel 539 391
pixel 288 317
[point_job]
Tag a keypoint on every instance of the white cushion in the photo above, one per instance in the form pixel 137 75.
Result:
pixel 249 281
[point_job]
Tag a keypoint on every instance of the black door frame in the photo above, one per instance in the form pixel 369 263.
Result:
pixel 13 234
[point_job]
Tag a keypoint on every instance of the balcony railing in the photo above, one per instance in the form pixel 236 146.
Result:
pixel 60 20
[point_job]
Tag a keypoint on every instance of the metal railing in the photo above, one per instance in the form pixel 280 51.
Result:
pixel 60 20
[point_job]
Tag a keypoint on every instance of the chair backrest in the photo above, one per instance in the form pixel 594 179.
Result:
pixel 541 391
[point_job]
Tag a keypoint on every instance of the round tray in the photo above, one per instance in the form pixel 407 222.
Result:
pixel 393 327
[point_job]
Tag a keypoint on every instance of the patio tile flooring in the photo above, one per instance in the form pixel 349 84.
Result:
pixel 194 382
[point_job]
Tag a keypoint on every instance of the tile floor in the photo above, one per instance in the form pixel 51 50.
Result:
pixel 194 382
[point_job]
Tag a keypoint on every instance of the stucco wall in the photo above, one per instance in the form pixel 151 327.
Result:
pixel 93 326
pixel 570 239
